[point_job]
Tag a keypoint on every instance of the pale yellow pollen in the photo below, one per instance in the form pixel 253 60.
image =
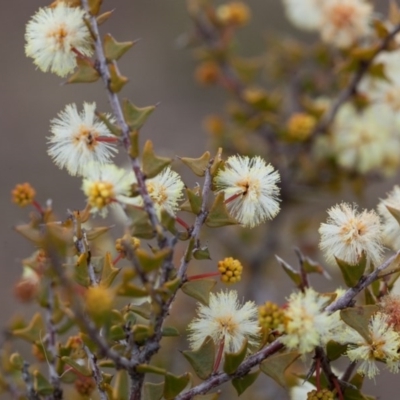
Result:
pixel 101 194
pixel 228 325
pixel 158 194
pixel 352 230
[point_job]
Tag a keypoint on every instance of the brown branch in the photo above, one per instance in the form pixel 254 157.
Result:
pixel 115 104
pixel 221 377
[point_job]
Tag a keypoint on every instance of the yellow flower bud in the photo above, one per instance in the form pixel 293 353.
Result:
pixel 230 270
pixel 23 194
pixel 207 73
pixel 99 301
pixel 300 126
pixel 235 13
pixel 126 242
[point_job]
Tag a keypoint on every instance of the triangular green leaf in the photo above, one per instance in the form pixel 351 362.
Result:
pixel 152 165
pixel 358 318
pixel 113 50
pixel 135 117
pixel 41 385
pixel 276 366
pixel 109 272
pixel 169 331
pixel 199 289
pixel 117 81
pixel 233 360
pixel 82 369
pixel 34 331
pixel 241 384
pixel 352 273
pixel 153 391
pixel 202 359
pixel 175 384
pixel 202 253
pixel 219 215
pixel 121 386
pixel 85 72
pixel 290 271
pixel 197 165
pixel 335 350
pixel 139 223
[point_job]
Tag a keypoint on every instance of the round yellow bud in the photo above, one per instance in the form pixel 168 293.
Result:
pixel 207 73
pixel 230 270
pixel 99 301
pixel 300 126
pixel 235 13
pixel 23 194
pixel 125 243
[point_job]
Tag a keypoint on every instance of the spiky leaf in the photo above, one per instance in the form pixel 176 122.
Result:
pixel 358 318
pixel 152 165
pixel 135 117
pixel 219 214
pixel 175 384
pixel 233 360
pixel 85 72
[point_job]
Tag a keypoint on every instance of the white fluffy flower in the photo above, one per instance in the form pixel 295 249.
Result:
pixel 165 189
pixel 366 140
pixel 390 226
pixel 107 185
pixel 348 234
pixel 250 189
pixel 384 91
pixel 227 321
pixel 344 22
pixel 304 14
pixel 305 321
pixel 80 139
pixel 382 345
pixel 51 36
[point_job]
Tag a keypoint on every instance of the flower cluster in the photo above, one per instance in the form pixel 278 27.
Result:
pixel 340 23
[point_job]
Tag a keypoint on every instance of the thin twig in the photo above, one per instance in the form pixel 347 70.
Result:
pixel 27 378
pixel 115 104
pixel 200 220
pixel 51 347
pixel 96 373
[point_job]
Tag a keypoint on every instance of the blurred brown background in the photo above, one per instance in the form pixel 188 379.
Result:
pixel 160 72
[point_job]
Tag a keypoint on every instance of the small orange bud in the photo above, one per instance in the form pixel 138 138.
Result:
pixel 23 194
pixel 84 385
pixel 38 352
pixel 235 13
pixel 254 95
pixel 214 125
pixel 25 290
pixel 207 73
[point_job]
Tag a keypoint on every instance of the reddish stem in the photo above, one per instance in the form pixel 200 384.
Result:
pixel 337 387
pixel 219 354
pixel 182 223
pixel 201 276
pixel 116 259
pixel 38 207
pixel 318 373
pixel 233 197
pixel 107 139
